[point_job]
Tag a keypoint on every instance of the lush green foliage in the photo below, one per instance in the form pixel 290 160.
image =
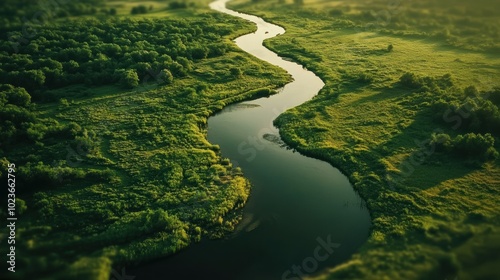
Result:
pixel 417 141
pixel 137 51
pixel 469 145
pixel 106 122
pixel 31 13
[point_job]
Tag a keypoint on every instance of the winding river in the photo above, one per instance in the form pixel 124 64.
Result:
pixel 302 216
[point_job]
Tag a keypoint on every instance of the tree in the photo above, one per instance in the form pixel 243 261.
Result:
pixel 411 80
pixel 475 145
pixel 141 9
pixel 128 78
pixel 494 96
pixel 31 79
pixel 236 72
pixel 185 63
pixel 471 91
pixel 199 52
pixel 16 95
pixel 177 5
pixel 165 77
pixel 177 69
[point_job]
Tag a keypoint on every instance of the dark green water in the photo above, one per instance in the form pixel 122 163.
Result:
pixel 302 216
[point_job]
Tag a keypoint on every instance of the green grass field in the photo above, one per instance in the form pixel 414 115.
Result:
pixel 133 155
pixel 435 215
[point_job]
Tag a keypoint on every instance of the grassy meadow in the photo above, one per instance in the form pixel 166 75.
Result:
pixel 405 82
pixel 104 107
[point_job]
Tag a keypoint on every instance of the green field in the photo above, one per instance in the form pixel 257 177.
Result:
pixel 105 119
pixel 104 108
pixel 420 148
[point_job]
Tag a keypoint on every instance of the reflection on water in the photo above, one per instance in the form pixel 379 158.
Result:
pixel 295 200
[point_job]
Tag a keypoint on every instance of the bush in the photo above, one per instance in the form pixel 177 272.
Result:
pixel 166 77
pixel 494 96
pixel 236 72
pixel 410 80
pixel 14 95
pixel 473 145
pixel 141 9
pixel 442 142
pixel 470 145
pixel 128 78
pixel 177 5
pixel 471 91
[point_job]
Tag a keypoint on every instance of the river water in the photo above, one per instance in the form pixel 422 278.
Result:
pixel 302 215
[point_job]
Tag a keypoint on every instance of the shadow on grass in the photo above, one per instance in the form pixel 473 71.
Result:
pixel 382 95
pixel 422 166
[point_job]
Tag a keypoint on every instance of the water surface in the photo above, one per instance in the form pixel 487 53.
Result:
pixel 297 203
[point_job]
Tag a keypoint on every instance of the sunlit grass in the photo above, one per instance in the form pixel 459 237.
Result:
pixel 430 224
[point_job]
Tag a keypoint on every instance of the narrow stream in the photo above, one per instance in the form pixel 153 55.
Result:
pixel 297 204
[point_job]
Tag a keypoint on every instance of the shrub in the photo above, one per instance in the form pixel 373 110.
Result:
pixel 141 9
pixel 470 145
pixel 442 142
pixel 177 5
pixel 236 72
pixel 471 91
pixel 128 78
pixel 14 95
pixel 473 145
pixel 166 77
pixel 494 96
pixel 410 80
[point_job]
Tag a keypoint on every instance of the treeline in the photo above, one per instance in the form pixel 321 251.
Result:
pixel 473 114
pixel 125 52
pixel 16 13
pixel 469 145
pixel 94 53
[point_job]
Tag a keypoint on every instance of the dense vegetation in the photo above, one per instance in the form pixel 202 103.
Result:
pixel 28 13
pixel 410 113
pixel 106 122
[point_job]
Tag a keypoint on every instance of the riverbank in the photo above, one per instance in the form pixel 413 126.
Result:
pixel 296 204
pixel 434 215
pixel 113 171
